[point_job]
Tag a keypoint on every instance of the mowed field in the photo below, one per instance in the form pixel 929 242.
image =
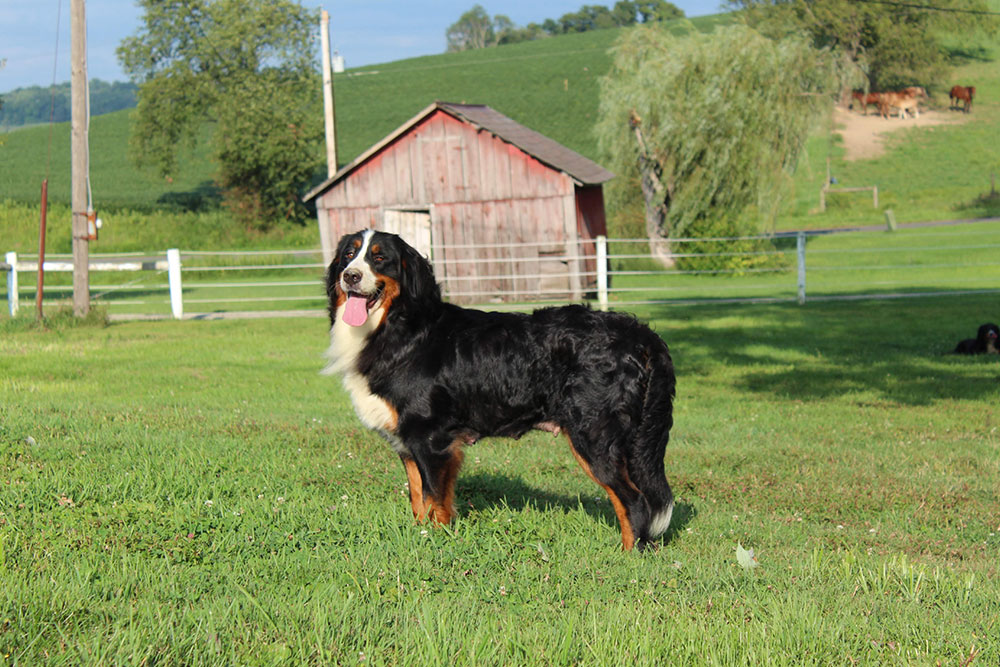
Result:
pixel 196 493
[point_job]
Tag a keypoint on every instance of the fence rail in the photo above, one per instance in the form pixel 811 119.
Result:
pixel 613 272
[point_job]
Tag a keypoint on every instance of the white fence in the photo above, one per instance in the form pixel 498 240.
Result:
pixel 944 260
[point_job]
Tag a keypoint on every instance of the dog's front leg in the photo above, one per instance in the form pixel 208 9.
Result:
pixel 431 471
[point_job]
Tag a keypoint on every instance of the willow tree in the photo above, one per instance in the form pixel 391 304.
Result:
pixel 707 128
pixel 245 71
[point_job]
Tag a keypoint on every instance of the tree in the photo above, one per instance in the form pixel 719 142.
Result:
pixel 247 67
pixel 624 13
pixel 657 10
pixel 894 43
pixel 708 127
pixel 473 30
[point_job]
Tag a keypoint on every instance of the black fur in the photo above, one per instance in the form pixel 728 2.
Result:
pixel 454 375
pixel 985 342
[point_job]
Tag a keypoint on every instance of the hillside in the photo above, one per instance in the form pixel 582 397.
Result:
pixel 550 85
pixel 36 105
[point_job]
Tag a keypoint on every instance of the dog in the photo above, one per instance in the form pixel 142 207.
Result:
pixel 433 377
pixel 985 342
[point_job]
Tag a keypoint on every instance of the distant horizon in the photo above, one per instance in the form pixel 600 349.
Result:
pixel 37 45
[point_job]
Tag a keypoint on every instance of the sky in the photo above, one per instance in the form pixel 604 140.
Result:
pixel 35 34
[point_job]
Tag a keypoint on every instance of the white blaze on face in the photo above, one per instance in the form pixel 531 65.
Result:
pixel 356 307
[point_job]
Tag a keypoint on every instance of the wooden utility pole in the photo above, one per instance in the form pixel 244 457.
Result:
pixel 80 157
pixel 328 103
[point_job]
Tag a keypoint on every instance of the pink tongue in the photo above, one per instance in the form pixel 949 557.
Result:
pixel 356 311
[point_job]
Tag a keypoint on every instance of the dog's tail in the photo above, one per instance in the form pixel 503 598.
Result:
pixel 645 465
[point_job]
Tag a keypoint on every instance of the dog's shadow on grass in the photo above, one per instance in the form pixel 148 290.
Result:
pixel 482 490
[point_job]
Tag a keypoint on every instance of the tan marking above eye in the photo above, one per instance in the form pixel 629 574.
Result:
pixel 376 249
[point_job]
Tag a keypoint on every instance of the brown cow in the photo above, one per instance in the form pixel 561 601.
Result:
pixel 962 94
pixel 866 99
pixel 902 100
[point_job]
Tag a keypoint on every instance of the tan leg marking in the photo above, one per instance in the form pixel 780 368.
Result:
pixel 417 501
pixel 442 508
pixel 628 537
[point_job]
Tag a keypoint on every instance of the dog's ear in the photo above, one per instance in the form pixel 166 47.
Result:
pixel 417 282
pixel 333 270
pixel 333 274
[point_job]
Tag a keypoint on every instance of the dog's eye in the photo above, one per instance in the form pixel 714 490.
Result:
pixel 379 259
pixel 348 254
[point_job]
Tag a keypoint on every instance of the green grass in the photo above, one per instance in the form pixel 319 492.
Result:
pixel 195 493
pixel 912 260
pixel 930 173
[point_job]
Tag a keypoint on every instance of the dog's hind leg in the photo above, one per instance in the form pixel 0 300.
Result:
pixel 418 502
pixel 631 507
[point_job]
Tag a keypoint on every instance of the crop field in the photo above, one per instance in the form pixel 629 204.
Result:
pixel 196 493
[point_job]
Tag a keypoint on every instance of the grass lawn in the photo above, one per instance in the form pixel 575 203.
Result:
pixel 195 493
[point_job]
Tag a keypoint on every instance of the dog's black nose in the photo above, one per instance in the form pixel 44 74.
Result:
pixel 352 277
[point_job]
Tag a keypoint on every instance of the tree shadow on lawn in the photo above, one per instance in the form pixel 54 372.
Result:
pixel 898 349
pixel 482 489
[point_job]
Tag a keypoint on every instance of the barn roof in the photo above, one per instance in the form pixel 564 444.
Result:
pixel 540 147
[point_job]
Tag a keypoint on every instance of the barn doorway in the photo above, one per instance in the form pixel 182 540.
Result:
pixel 413 224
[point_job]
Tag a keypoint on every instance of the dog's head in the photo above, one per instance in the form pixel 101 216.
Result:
pixel 989 333
pixel 377 272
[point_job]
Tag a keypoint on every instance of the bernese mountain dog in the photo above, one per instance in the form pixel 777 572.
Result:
pixel 985 342
pixel 433 377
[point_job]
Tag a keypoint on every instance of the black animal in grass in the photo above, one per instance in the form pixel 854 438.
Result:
pixel 987 341
pixel 433 377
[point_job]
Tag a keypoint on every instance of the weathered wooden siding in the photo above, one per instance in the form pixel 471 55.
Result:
pixel 479 189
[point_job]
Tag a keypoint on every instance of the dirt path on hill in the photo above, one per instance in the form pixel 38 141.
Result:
pixel 864 135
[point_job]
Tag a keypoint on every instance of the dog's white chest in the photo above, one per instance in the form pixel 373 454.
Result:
pixel 346 344
pixel 373 411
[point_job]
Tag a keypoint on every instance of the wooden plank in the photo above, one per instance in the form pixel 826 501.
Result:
pixel 376 180
pixel 572 247
pixel 431 160
pixel 454 184
pixel 403 174
pixel 520 180
pixel 501 175
pixel 445 270
pixel 487 186
pixel 475 231
pixel 437 240
pixel 390 188
pixel 471 167
pixel 417 166
pixel 359 189
pixel 491 234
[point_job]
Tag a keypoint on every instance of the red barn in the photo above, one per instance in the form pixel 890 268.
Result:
pixel 503 212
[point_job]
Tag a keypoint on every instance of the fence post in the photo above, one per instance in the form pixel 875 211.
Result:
pixel 890 220
pixel 800 247
pixel 602 271
pixel 174 278
pixel 12 292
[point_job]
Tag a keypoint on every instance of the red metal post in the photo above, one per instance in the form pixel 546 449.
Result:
pixel 41 248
